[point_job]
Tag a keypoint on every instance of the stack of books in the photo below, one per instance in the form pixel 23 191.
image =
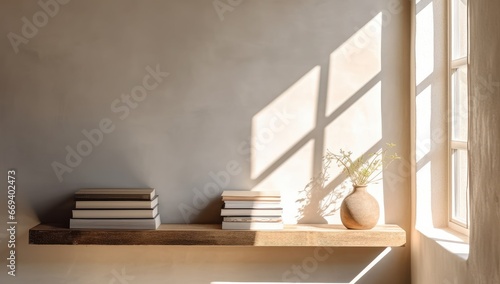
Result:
pixel 252 210
pixel 112 208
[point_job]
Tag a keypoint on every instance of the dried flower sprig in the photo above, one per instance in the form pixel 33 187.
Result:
pixel 363 170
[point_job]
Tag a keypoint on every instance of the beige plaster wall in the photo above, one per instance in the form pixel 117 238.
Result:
pixel 484 261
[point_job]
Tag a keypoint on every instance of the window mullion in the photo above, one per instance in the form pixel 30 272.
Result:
pixel 459 145
pixel 456 63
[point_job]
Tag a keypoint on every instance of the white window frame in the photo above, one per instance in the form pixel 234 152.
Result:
pixel 454 64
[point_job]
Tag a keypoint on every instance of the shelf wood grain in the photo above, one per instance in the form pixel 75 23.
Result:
pixel 312 235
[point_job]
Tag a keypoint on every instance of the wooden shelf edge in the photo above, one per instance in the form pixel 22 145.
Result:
pixel 302 235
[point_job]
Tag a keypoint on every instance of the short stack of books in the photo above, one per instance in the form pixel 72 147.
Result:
pixel 112 208
pixel 252 210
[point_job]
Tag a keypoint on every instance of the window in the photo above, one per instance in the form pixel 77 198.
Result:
pixel 458 118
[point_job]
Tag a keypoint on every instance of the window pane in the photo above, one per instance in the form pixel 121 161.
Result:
pixel 459 28
pixel 459 186
pixel 459 103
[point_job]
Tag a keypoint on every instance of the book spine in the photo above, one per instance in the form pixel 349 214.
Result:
pixel 112 197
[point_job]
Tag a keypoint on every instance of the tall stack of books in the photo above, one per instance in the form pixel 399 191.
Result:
pixel 112 208
pixel 252 210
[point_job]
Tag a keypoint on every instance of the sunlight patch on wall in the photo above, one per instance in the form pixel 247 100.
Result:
pixel 290 185
pixel 424 43
pixel 282 123
pixel 371 265
pixel 422 149
pixel 424 196
pixel 423 123
pixel 354 64
pixel 358 129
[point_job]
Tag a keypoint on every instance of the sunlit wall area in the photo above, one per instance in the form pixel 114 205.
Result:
pixel 352 121
pixel 357 129
pixel 354 66
pixel 353 112
pixel 281 125
pixel 282 144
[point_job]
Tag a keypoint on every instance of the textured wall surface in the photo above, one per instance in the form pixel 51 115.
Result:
pixel 255 93
pixel 484 261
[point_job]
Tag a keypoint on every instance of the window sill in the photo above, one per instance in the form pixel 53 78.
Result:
pixel 454 242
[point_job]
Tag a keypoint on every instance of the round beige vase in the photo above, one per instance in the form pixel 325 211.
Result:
pixel 359 210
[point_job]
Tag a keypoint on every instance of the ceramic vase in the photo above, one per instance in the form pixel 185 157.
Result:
pixel 359 210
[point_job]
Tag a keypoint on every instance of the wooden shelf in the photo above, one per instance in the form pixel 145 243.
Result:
pixel 212 235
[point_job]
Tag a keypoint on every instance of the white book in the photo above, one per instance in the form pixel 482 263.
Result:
pixel 248 193
pixel 252 219
pixel 115 194
pixel 131 224
pixel 251 226
pixel 115 213
pixel 251 212
pixel 251 198
pixel 116 204
pixel 253 204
